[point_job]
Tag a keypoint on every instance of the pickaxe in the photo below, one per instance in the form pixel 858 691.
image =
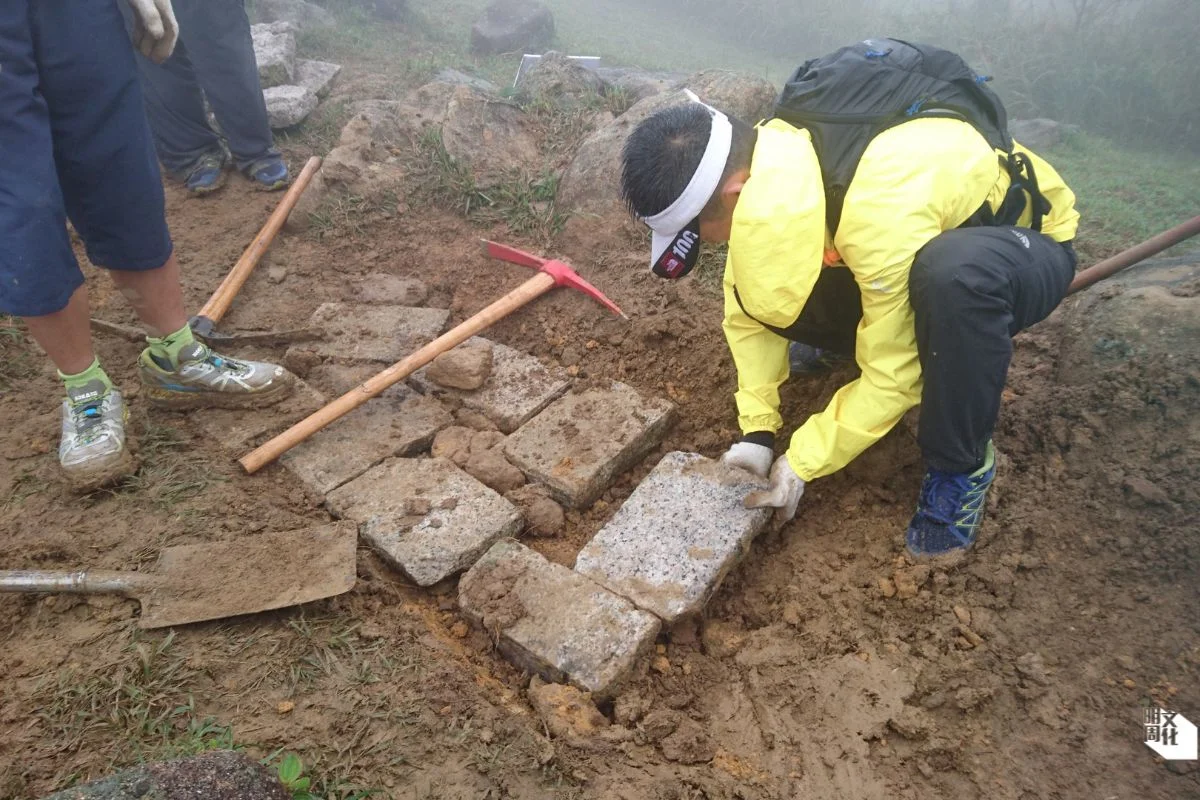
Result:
pixel 206 319
pixel 550 274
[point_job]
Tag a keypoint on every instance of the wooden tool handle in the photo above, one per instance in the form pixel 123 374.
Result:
pixel 222 298
pixel 1127 258
pixel 534 287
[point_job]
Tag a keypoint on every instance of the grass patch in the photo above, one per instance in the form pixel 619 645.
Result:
pixel 140 706
pixel 523 202
pixel 1125 196
pixel 349 214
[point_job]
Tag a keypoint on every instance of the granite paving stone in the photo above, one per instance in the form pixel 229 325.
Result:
pixel 376 333
pixel 518 387
pixel 582 442
pixel 552 621
pixel 238 429
pixel 425 516
pixel 675 538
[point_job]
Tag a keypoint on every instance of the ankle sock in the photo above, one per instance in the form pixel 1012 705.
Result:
pixel 167 348
pixel 92 373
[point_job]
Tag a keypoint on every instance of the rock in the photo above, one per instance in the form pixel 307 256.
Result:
pixel 659 724
pixel 970 699
pixel 909 581
pixel 492 469
pixel 470 418
pixel 631 706
pixel 675 538
pixel 220 775
pixel 962 614
pixel 300 13
pixel 1031 667
pixel 543 516
pixel 722 639
pixel 582 442
pixel 276 273
pixel 316 76
pixel 235 430
pixel 591 184
pixel 518 387
pixel 372 333
pixel 689 744
pixel 453 76
pixel 288 105
pixel 639 84
pixel 496 139
pixel 510 26
pixel 275 52
pixel 1039 134
pixel 453 443
pixel 404 510
pixel 399 422
pixel 554 622
pixel 566 711
pixel 1140 492
pixel 464 367
pixel 912 723
pixel 887 587
pixel 482 441
pixel 561 80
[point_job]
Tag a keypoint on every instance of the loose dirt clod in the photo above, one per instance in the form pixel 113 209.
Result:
pixel 465 367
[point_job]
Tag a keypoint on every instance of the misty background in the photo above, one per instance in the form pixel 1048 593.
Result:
pixel 1125 69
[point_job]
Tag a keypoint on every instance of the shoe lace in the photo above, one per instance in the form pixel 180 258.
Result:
pixel 86 418
pixel 942 495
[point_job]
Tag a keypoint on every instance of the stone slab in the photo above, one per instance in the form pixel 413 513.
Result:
pixel 288 105
pixel 275 53
pixel 583 441
pixel 398 422
pixel 518 388
pixel 554 622
pixel 316 76
pixel 425 516
pixel 675 538
pixel 238 429
pixel 376 333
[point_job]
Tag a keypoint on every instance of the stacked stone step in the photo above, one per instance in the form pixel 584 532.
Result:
pixel 658 560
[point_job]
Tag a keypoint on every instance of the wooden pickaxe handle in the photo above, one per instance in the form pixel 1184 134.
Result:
pixel 534 287
pixel 222 298
pixel 1135 254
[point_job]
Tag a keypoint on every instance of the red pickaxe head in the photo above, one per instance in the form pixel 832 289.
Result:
pixel 562 272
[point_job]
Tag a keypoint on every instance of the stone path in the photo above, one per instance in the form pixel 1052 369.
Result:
pixel 658 559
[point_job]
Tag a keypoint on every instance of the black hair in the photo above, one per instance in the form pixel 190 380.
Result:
pixel 663 152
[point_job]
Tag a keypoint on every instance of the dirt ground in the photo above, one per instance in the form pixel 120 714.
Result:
pixel 826 667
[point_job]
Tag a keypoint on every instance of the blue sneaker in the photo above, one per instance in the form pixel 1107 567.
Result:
pixel 950 509
pixel 271 176
pixel 207 176
pixel 806 359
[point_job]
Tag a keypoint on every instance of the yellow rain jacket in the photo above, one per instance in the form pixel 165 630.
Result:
pixel 914 181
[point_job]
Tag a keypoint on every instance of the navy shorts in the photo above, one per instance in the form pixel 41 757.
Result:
pixel 74 143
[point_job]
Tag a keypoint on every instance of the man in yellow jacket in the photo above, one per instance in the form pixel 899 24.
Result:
pixel 926 302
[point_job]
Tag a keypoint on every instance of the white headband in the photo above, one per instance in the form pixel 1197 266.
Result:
pixel 704 181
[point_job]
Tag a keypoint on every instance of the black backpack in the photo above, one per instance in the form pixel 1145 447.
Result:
pixel 847 98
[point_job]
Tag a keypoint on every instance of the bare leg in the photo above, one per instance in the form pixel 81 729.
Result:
pixel 155 295
pixel 66 335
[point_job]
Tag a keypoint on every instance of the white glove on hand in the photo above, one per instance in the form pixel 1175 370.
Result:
pixel 154 29
pixel 749 456
pixel 784 495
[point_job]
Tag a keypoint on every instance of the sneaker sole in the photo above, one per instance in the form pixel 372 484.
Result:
pixel 201 191
pixel 94 479
pixel 180 401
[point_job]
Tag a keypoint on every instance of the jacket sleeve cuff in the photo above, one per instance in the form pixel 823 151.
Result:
pixel 764 438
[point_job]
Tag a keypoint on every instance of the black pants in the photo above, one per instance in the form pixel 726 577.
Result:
pixel 972 290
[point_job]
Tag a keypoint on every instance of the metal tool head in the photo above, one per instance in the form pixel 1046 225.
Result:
pixel 261 572
pixel 562 272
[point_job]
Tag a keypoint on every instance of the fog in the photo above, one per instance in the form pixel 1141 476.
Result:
pixel 1125 69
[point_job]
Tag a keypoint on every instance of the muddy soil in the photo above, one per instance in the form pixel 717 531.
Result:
pixel 826 667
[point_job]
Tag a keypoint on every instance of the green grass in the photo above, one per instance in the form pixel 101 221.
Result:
pixel 1125 196
pixel 15 361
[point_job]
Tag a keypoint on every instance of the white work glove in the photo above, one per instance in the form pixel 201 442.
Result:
pixel 154 28
pixel 784 495
pixel 749 456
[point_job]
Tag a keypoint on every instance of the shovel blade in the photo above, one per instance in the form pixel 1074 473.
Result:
pixel 258 572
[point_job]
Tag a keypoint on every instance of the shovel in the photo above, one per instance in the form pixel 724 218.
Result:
pixel 195 583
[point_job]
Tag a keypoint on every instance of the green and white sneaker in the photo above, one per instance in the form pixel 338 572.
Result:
pixel 204 379
pixel 93 452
